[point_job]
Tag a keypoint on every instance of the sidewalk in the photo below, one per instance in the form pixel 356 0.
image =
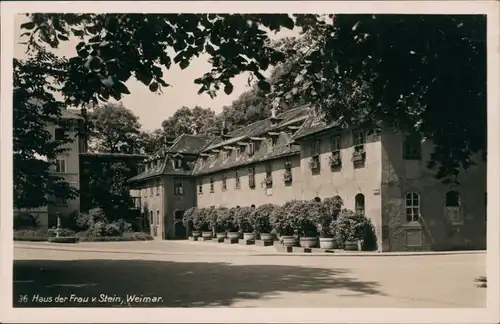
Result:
pixel 204 248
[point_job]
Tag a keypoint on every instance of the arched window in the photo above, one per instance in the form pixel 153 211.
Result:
pixel 412 204
pixel 359 202
pixel 317 199
pixel 453 207
pixel 253 206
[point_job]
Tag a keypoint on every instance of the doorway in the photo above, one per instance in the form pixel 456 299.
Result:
pixel 180 231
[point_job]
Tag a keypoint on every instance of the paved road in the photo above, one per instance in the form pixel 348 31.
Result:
pixel 189 274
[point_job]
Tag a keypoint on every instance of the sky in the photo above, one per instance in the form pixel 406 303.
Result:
pixel 152 108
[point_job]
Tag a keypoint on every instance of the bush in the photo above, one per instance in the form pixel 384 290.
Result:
pixel 307 215
pixel 283 218
pixel 351 226
pixel 331 208
pixel 260 218
pixel 95 215
pixel 244 219
pixel 25 221
pixel 32 235
pixel 200 220
pixel 68 239
pixel 187 218
pixel 129 236
pixel 211 217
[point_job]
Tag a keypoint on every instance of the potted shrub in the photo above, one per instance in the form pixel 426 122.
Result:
pixel 327 222
pixel 201 223
pixel 218 218
pixel 287 176
pixel 314 162
pixel 231 224
pixel 335 160
pixel 349 230
pixel 308 214
pixel 359 154
pixel 245 223
pixel 260 220
pixel 284 221
pixel 187 220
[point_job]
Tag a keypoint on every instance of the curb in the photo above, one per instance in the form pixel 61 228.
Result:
pixel 57 247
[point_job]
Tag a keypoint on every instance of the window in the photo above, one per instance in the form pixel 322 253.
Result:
pixel 158 188
pixel 200 187
pixel 224 183
pixel 237 152
pixel 157 217
pixel 151 191
pixel 316 147
pixel 211 184
pixel 59 134
pixel 178 187
pixel 360 203
pixel 178 214
pixel 224 155
pixel 251 148
pixel 269 175
pixel 251 176
pixel 335 143
pixel 359 137
pixel 412 204
pixel 178 164
pixel 412 147
pixel 237 179
pixel 61 164
pixel 453 207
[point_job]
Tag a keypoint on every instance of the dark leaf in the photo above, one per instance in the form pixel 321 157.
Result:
pixel 153 87
pixel 29 25
pixel 264 86
pixel 228 88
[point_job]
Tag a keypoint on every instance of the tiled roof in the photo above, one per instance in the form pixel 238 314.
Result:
pixel 113 155
pixel 150 172
pixel 312 126
pixel 190 144
pixel 282 147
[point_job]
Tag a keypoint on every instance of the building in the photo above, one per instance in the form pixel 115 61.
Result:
pixel 67 166
pixel 296 155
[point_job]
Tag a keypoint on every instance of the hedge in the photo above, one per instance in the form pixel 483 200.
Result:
pixel 43 236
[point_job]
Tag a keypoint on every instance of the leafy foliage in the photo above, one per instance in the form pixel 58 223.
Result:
pixel 260 218
pixel 200 220
pixel 197 120
pixel 115 129
pixel 104 184
pixel 351 226
pixel 187 218
pixel 34 149
pixel 423 74
pixel 244 219
pixel 25 221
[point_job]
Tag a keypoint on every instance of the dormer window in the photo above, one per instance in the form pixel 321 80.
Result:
pixel 178 164
pixel 237 152
pixel 251 148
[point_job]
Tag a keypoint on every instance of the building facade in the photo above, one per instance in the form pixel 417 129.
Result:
pixel 295 155
pixel 66 165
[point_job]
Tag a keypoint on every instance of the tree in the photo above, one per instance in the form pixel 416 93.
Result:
pixel 104 185
pixel 188 121
pixel 34 149
pixel 423 74
pixel 115 129
pixel 416 73
pixel 150 143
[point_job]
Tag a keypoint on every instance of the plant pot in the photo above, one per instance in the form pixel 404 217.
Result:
pixel 206 234
pixel 327 243
pixel 233 235
pixel 221 235
pixel 351 246
pixel 196 233
pixel 289 240
pixel 308 242
pixel 249 236
pixel 266 236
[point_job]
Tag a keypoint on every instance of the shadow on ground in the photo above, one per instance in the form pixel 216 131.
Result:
pixel 179 284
